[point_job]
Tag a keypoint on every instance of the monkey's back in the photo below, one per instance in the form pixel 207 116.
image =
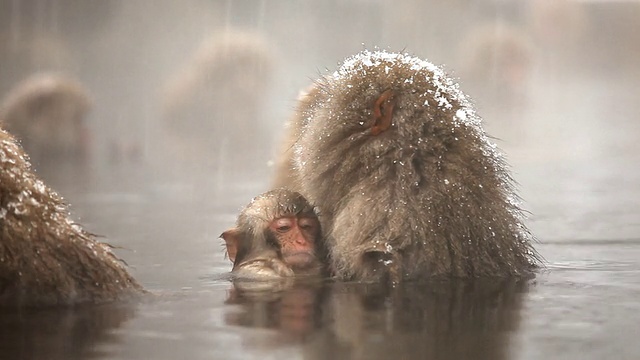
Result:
pixel 45 258
pixel 432 190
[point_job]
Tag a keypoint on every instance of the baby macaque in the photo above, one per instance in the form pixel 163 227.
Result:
pixel 45 258
pixel 46 112
pixel 409 185
pixel 277 235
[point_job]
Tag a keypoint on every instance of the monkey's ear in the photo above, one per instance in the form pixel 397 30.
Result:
pixel 232 239
pixel 382 112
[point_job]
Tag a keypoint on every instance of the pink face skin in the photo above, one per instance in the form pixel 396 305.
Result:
pixel 297 236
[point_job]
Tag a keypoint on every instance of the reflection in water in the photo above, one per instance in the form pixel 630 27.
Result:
pixel 439 320
pixel 70 333
pixel 296 311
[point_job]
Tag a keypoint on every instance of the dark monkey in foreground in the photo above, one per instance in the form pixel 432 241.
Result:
pixel 45 258
pixel 409 186
pixel 276 235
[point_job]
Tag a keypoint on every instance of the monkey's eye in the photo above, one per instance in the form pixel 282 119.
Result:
pixel 307 224
pixel 282 225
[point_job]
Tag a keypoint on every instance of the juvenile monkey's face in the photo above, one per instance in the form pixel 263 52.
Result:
pixel 296 238
pixel 277 234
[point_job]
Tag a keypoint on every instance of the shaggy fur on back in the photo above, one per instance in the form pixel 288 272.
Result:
pixel 45 258
pixel 431 196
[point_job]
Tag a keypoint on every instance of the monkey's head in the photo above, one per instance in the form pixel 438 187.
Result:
pixel 277 234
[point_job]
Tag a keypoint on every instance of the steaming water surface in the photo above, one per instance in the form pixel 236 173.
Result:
pixel 582 305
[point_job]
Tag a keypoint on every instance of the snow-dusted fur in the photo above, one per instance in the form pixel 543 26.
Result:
pixel 431 196
pixel 45 258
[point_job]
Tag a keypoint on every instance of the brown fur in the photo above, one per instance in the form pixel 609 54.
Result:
pixel 430 196
pixel 284 175
pixel 45 258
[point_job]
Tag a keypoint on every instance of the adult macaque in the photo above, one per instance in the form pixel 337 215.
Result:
pixel 276 235
pixel 46 112
pixel 409 186
pixel 45 258
pixel 286 174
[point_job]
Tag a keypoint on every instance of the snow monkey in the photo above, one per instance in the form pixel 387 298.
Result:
pixel 45 258
pixel 277 235
pixel 409 185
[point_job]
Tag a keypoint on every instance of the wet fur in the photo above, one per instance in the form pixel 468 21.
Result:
pixel 429 197
pixel 45 258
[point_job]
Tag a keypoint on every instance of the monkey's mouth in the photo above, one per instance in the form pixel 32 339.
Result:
pixel 299 260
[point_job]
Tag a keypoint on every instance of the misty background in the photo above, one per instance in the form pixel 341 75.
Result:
pixel 188 104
